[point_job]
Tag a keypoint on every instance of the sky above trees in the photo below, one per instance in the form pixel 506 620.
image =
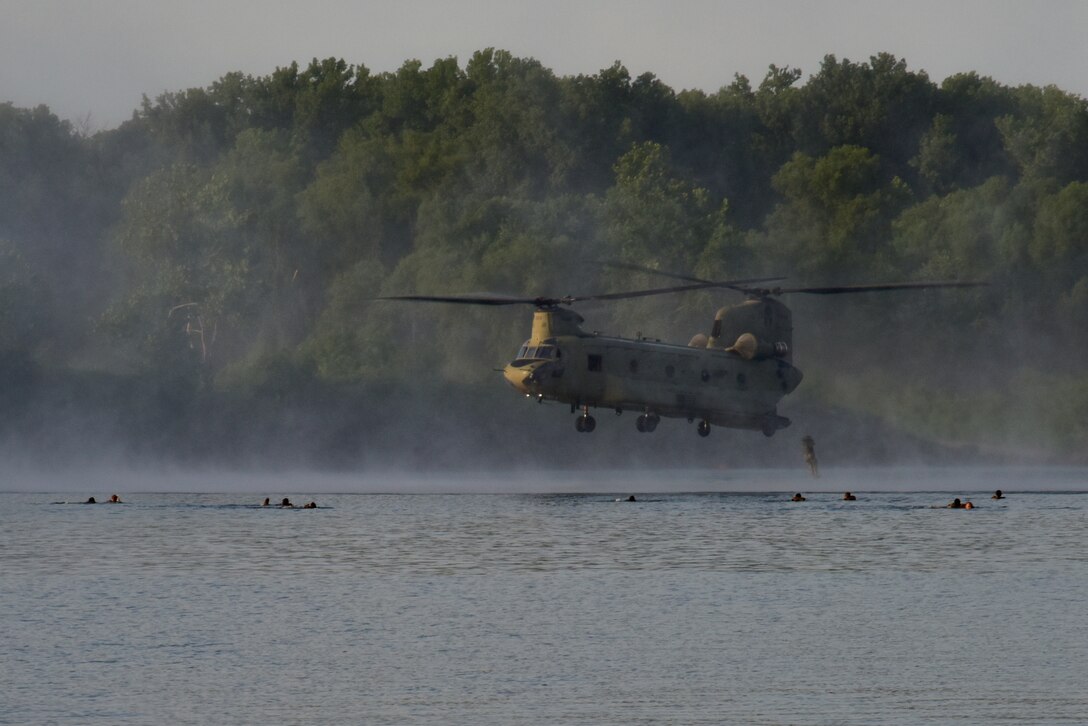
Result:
pixel 92 62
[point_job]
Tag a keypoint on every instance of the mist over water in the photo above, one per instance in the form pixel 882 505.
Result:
pixel 101 481
pixel 556 608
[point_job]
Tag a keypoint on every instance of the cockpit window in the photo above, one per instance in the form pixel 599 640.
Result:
pixel 531 352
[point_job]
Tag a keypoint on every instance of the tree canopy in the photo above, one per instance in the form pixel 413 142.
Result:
pixel 228 231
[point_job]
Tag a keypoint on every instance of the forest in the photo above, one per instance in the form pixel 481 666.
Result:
pixel 197 284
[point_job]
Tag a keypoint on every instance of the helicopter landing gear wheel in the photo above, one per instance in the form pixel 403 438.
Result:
pixel 647 422
pixel 640 424
pixel 704 428
pixel 580 425
pixel 769 428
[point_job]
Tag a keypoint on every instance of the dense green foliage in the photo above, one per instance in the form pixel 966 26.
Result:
pixel 226 241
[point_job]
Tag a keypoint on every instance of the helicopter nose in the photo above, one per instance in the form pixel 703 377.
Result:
pixel 516 376
pixel 525 378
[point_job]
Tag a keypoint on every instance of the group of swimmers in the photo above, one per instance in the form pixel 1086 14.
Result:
pixel 955 504
pixel 798 497
pixel 966 504
pixel 286 504
pixel 846 497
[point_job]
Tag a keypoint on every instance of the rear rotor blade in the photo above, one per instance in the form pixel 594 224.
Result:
pixel 640 293
pixel 732 284
pixel 739 285
pixel 840 289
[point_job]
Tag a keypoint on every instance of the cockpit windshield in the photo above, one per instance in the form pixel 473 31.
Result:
pixel 538 352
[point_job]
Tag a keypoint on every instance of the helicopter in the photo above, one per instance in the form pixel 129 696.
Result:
pixel 732 378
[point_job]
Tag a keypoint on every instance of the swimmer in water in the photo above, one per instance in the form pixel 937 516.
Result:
pixel 848 497
pixel 632 498
pixel 798 498
pixel 968 505
pixel 90 500
pixel 287 503
pixel 311 505
pixel 955 504
pixel 998 495
pixel 266 502
pixel 114 499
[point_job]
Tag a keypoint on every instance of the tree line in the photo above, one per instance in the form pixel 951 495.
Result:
pixel 227 241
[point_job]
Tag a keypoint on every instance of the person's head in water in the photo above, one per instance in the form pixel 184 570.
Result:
pixel 798 498
pixel 266 502
pixel 311 505
pixel 998 495
pixel 114 499
pixel 286 503
pixel 955 504
pixel 968 505
pixel 632 498
pixel 90 500
pixel 848 497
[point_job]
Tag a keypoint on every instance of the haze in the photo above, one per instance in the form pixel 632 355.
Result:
pixel 102 480
pixel 92 62
pixel 192 292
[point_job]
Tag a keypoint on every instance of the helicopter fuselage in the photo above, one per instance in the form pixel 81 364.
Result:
pixel 733 377
pixel 714 385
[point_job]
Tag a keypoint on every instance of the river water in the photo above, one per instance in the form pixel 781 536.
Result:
pixel 716 607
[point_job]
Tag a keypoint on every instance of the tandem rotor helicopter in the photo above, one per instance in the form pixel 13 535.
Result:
pixel 733 378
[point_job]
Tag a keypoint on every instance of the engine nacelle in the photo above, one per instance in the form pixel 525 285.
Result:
pixel 749 347
pixel 764 318
pixel 699 340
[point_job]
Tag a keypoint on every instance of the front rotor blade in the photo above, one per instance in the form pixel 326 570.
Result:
pixel 497 299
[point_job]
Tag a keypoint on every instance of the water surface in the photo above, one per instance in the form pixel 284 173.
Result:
pixel 547 609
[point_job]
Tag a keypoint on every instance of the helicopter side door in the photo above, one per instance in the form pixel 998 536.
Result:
pixel 593 373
